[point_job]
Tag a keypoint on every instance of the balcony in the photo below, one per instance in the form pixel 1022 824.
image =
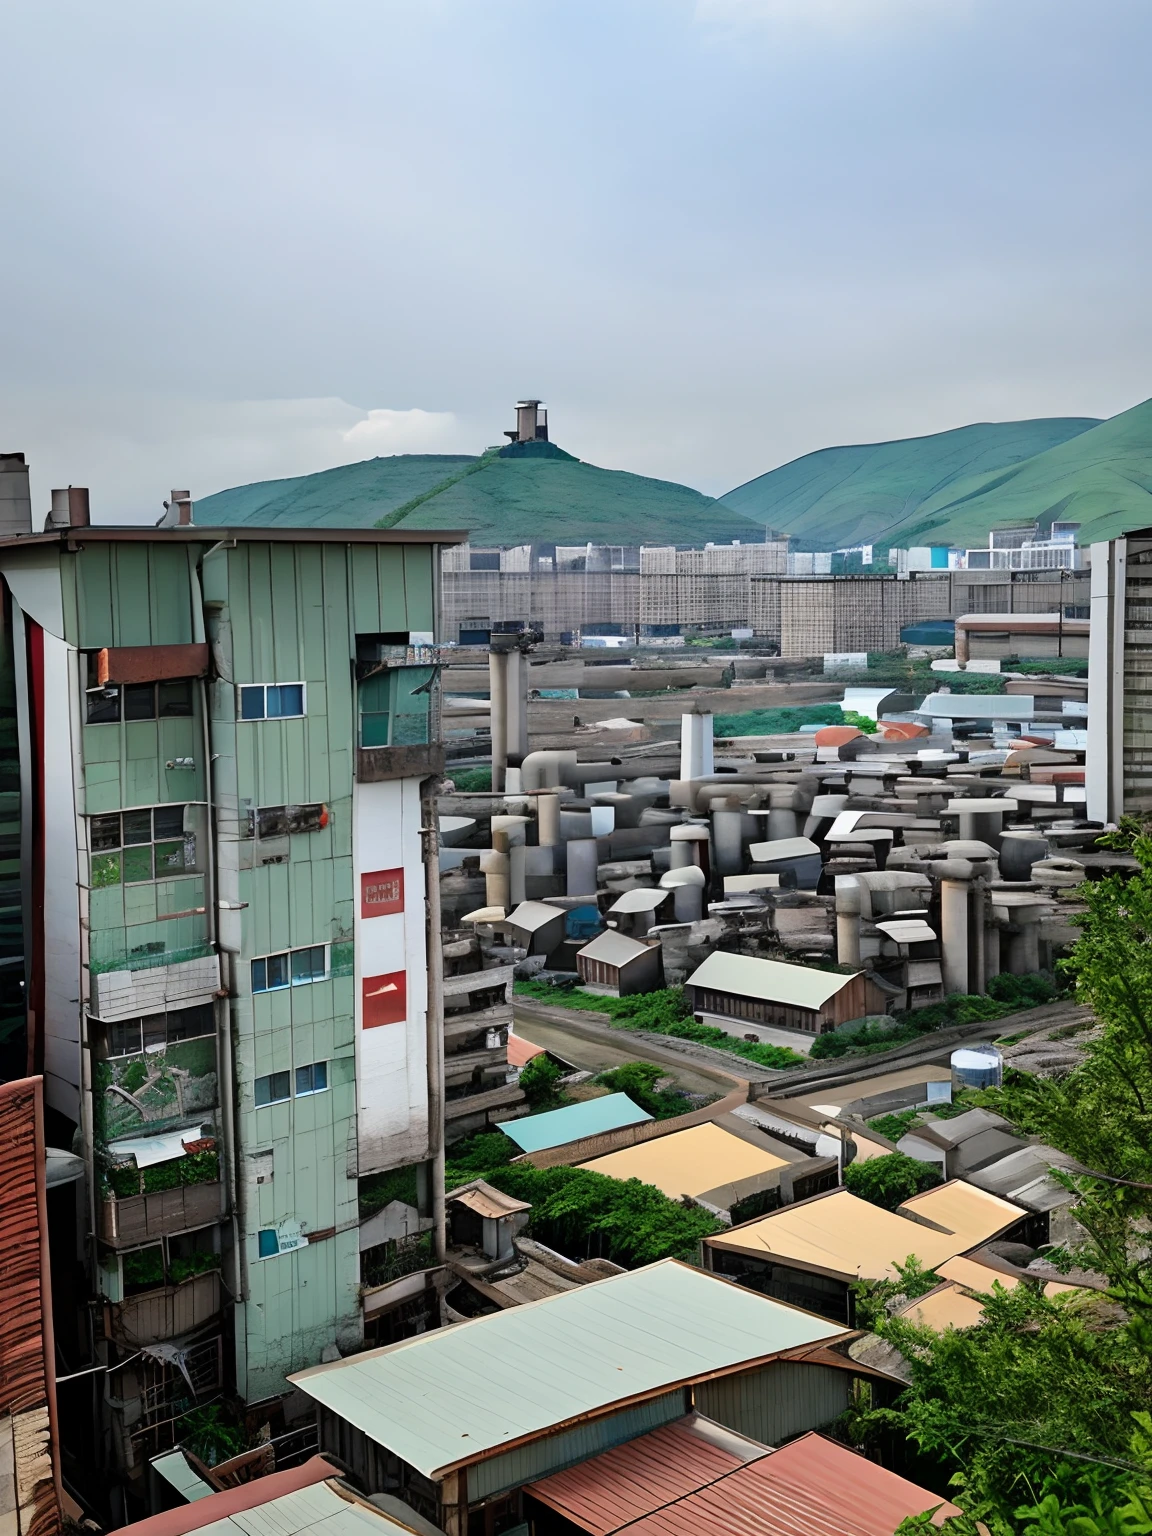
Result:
pixel 375 765
pixel 163 1313
pixel 136 1219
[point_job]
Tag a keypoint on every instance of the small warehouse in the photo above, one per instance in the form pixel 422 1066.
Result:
pixel 745 988
pixel 458 1420
pixel 619 966
pixel 812 1253
pixel 536 927
pixel 557 1127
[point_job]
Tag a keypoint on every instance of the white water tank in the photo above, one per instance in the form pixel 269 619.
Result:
pixel 977 1066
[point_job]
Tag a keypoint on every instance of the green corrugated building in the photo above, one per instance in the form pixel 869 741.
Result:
pixel 221 739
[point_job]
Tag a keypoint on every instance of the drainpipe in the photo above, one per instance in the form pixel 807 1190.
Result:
pixel 434 1018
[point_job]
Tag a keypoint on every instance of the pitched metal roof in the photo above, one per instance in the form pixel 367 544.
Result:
pixel 689 1162
pixel 320 1510
pixel 531 915
pixel 217 1508
pixel 557 1127
pixel 483 1200
pixel 796 986
pixel 811 1487
pixel 631 1480
pixel 457 1394
pixel 612 948
pixel 643 898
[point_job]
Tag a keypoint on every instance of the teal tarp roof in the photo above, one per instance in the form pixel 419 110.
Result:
pixel 556 1128
pixel 452 1395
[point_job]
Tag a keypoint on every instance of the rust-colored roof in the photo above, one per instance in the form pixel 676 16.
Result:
pixel 633 1479
pixel 676 1482
pixel 231 1501
pixel 521 1051
pixel 836 735
pixel 27 1364
pixel 811 1487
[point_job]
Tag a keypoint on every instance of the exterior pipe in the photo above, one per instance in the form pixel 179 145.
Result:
pixel 434 1017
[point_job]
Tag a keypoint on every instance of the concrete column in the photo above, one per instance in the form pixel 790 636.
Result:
pixel 517 704
pixel 1024 948
pixel 981 821
pixel 583 860
pixel 847 920
pixel 782 823
pixel 494 866
pixel 498 717
pixel 688 903
pixel 954 934
pixel 517 859
pixel 728 842
pixel 695 746
pixel 548 820
pixel 977 925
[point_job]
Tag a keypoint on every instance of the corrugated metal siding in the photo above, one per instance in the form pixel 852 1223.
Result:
pixel 133 594
pixel 542 1457
pixel 26 1387
pixel 776 1402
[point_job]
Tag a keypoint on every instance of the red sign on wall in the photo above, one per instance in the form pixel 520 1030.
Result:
pixel 385 999
pixel 382 892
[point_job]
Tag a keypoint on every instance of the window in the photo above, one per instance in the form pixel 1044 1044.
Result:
pixel 396 706
pixel 273 1089
pixel 136 701
pixel 280 820
pixel 292 968
pixel 271 701
pixel 313 1079
pixel 157 1031
pixel 130 847
pixel 268 1243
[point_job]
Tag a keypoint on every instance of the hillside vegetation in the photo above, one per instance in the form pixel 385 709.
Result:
pixel 877 492
pixel 500 497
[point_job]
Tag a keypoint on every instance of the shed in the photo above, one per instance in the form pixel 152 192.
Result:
pixel 744 987
pixel 638 907
pixel 459 1419
pixel 813 1253
pixel 619 966
pixel 557 1127
pixel 483 1217
pixel 708 1162
pixel 536 927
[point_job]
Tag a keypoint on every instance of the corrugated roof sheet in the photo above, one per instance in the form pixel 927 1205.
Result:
pixel 455 1394
pixel 174 1468
pixel 973 1214
pixel 612 948
pixel 796 986
pixel 631 1480
pixel 27 1367
pixel 557 1127
pixel 531 915
pixel 319 1510
pixel 811 1487
pixel 218 1507
pixel 521 1051
pixel 945 1306
pixel 486 1201
pixel 689 1162
pixel 843 1236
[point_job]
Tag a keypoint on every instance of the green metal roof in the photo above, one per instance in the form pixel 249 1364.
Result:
pixel 319 1510
pixel 460 1393
pixel 557 1127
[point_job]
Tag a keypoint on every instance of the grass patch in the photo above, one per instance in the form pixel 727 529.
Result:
pixel 662 1012
pixel 778 722
pixel 896 1125
pixel 471 781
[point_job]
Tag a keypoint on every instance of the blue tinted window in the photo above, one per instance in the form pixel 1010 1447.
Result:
pixel 272 1089
pixel 313 1079
pixel 252 703
pixel 269 1246
pixel 308 965
pixel 284 700
pixel 259 976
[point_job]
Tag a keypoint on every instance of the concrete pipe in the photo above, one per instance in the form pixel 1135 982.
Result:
pixel 695 746
pixel 728 842
pixel 689 844
pixel 583 858
pixel 954 931
pixel 980 820
pixel 1019 850
pixel 848 904
pixel 513 827
pixel 494 868
pixel 517 869
pixel 547 770
pixel 687 887
pixel 548 820
pixel 498 715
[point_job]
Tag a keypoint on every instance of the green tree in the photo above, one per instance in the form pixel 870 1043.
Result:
pixel 539 1080
pixel 638 1080
pixel 891 1179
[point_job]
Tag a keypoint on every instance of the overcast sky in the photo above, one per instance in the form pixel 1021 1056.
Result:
pixel 242 239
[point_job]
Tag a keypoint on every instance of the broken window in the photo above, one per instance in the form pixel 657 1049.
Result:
pixel 157 1031
pixel 280 820
pixel 135 701
pixel 396 707
pixel 130 847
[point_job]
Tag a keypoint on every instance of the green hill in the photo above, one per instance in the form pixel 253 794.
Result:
pixel 525 493
pixel 877 492
pixel 1101 479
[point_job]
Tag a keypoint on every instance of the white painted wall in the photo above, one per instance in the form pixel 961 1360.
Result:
pixel 391 1070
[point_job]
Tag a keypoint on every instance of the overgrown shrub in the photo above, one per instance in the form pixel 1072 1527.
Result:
pixel 890 1180
pixel 472 781
pixel 777 722
pixel 192 1264
pixel 380 1189
pixel 638 1080
pixel 539 1080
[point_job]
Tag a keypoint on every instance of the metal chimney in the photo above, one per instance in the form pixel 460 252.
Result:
pixel 15 498
pixel 69 509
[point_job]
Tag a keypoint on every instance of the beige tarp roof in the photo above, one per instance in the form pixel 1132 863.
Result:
pixel 689 1162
